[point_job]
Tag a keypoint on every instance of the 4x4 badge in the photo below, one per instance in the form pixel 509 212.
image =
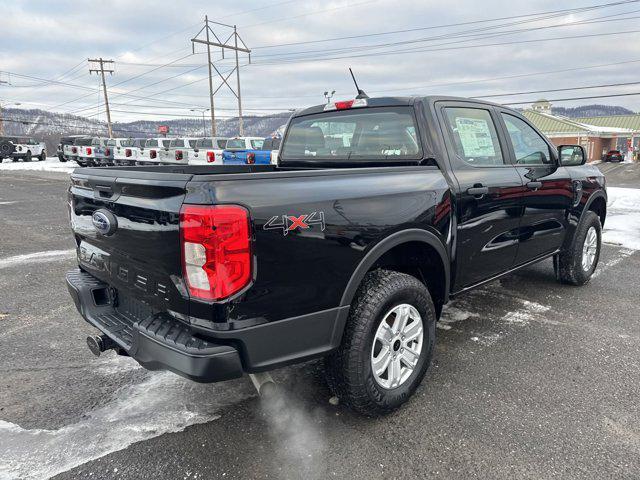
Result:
pixel 289 223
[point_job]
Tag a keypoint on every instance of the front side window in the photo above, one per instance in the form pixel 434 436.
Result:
pixel 367 134
pixel 474 136
pixel 528 145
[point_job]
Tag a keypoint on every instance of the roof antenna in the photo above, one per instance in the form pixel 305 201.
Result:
pixel 361 93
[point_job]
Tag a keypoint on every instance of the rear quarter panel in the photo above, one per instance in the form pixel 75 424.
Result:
pixel 304 270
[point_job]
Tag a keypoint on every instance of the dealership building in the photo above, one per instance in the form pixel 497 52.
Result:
pixel 597 135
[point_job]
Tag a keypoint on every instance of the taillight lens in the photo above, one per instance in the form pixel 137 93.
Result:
pixel 127 152
pixel 107 152
pixel 251 158
pixel 89 150
pixel 152 154
pixel 216 250
pixel 178 154
pixel 211 157
pixel 74 149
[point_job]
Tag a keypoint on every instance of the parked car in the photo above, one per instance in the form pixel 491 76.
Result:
pixel 178 151
pixel 614 156
pixel 348 254
pixel 70 147
pixel 208 151
pixel 118 146
pixel 242 151
pixel 151 152
pixel 27 148
pixel 130 152
pixel 93 151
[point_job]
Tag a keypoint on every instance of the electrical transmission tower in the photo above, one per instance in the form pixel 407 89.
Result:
pixel 102 70
pixel 231 43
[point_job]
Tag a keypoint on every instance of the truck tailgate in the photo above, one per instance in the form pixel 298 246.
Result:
pixel 138 251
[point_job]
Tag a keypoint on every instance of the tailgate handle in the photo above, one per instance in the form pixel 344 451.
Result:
pixel 104 191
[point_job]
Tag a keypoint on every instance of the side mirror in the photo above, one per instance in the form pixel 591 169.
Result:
pixel 572 155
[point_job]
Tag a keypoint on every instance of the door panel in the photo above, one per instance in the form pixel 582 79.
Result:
pixel 488 196
pixel 547 192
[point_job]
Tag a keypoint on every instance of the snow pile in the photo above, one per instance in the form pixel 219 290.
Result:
pixel 51 164
pixel 622 226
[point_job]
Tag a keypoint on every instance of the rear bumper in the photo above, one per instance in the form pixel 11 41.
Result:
pixel 158 342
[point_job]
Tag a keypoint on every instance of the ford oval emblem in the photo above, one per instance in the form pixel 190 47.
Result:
pixel 104 221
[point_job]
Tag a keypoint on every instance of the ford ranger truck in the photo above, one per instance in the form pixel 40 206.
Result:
pixel 245 151
pixel 153 149
pixel 344 250
pixel 208 151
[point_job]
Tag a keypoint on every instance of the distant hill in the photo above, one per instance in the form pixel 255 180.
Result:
pixel 590 111
pixel 50 126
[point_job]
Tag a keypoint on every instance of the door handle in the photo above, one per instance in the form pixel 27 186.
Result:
pixel 478 191
pixel 534 185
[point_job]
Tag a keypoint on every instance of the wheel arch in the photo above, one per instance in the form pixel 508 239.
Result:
pixel 392 253
pixel 597 204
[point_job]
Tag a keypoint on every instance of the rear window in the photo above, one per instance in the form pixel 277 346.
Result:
pixel 236 143
pixel 367 134
pixel 192 143
pixel 83 141
pixel 222 143
pixel 178 142
pixel 151 143
pixel 204 143
pixel 614 152
pixel 257 144
pixel 111 143
pixel 166 143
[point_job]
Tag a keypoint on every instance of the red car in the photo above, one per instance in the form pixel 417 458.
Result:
pixel 614 156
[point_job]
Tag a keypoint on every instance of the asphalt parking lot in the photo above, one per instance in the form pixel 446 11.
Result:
pixel 530 379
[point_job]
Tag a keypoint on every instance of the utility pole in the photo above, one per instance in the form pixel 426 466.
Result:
pixel 102 62
pixel 226 44
pixel 203 110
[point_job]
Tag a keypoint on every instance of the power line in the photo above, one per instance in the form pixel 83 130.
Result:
pixel 577 98
pixel 557 90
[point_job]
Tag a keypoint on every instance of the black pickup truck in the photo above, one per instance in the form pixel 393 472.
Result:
pixel 379 211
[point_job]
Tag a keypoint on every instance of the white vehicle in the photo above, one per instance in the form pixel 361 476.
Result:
pixel 178 151
pixel 272 144
pixel 93 151
pixel 27 149
pixel 208 151
pixel 117 146
pixel 152 151
pixel 131 152
pixel 70 147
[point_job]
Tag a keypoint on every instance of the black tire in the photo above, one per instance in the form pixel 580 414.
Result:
pixel 349 369
pixel 568 265
pixel 6 149
pixel 43 156
pixel 27 157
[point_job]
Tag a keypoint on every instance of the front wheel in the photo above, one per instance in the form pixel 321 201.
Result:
pixel 387 344
pixel 576 265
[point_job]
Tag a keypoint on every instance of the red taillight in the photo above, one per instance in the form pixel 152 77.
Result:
pixel 216 250
pixel 74 149
pixel 251 158
pixel 107 152
pixel 152 154
pixel 127 152
pixel 89 150
pixel 211 157
pixel 178 154
pixel 344 105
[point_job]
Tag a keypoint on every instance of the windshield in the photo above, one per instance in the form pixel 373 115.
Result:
pixel 235 143
pixel 371 134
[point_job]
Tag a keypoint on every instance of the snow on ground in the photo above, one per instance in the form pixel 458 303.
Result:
pixel 622 226
pixel 51 164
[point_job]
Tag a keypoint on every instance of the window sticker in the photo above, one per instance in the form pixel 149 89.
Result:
pixel 475 137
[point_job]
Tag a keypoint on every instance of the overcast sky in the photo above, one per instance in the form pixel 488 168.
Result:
pixel 486 52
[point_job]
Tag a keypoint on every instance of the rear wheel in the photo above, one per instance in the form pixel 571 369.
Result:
pixel 387 344
pixel 576 265
pixel 43 156
pixel 27 157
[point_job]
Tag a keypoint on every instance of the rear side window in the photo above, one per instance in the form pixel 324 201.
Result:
pixel 474 136
pixel 379 133
pixel 528 146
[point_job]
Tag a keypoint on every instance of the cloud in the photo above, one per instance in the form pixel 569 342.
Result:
pixel 46 39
